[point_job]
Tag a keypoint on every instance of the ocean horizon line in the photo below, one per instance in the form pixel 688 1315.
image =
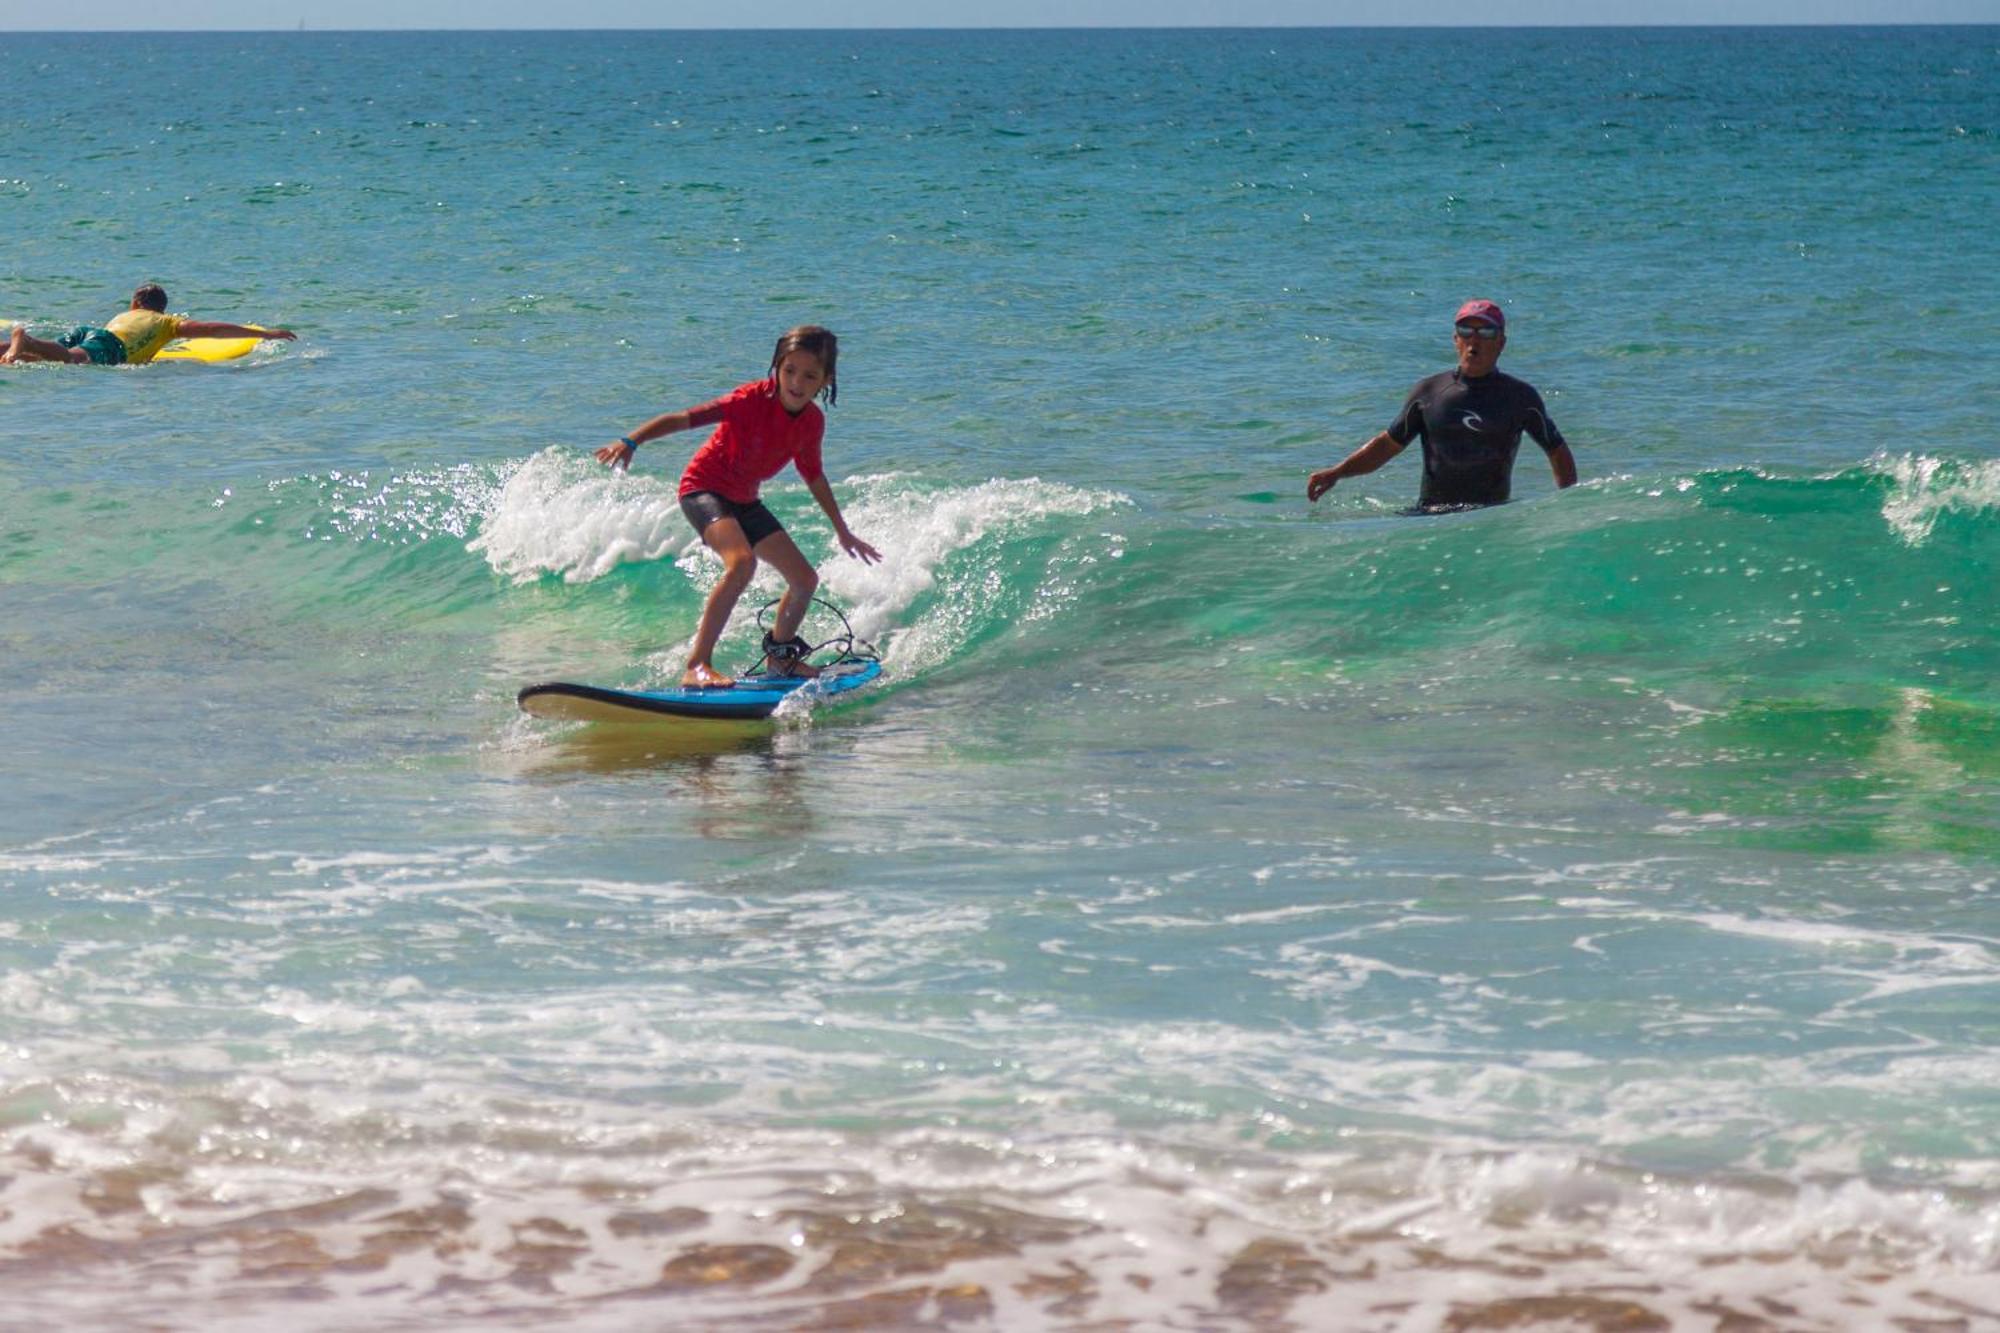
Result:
pixel 295 29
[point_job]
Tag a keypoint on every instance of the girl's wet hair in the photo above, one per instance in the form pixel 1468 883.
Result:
pixel 822 344
pixel 151 297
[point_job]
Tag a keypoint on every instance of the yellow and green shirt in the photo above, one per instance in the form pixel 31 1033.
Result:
pixel 144 333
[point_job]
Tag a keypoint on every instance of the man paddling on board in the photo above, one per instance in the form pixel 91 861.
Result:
pixel 1470 420
pixel 132 338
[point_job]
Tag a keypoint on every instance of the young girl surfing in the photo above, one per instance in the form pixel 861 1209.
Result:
pixel 759 427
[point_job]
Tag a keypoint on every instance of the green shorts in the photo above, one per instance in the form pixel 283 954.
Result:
pixel 100 345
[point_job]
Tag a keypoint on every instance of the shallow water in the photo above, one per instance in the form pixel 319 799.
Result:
pixel 1228 912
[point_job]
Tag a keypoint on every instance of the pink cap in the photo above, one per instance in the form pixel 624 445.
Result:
pixel 1483 310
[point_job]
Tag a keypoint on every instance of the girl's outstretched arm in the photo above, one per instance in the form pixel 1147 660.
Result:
pixel 619 452
pixel 853 545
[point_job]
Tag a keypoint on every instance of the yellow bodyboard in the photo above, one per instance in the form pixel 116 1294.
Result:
pixel 208 349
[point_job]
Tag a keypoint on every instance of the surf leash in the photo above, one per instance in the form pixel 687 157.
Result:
pixel 847 645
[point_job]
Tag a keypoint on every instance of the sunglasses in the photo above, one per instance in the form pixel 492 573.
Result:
pixel 1485 332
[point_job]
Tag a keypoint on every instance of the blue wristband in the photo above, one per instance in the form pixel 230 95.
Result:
pixel 629 443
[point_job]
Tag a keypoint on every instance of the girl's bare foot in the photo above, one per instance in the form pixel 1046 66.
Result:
pixel 704 677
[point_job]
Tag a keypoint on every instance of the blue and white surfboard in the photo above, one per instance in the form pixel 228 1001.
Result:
pixel 749 699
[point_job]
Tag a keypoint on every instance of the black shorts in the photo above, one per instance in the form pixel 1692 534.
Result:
pixel 704 507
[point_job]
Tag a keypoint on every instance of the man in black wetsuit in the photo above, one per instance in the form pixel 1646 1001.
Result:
pixel 1470 420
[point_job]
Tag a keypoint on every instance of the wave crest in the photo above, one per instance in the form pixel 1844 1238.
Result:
pixel 560 513
pixel 1924 489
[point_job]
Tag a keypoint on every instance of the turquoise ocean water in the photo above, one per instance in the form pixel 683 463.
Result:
pixel 1228 912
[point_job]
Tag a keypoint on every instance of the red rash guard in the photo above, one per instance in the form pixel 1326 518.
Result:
pixel 756 437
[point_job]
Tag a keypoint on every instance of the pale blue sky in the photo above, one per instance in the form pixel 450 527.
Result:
pixel 101 15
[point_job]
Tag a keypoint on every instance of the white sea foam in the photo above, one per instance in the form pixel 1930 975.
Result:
pixel 562 513
pixel 497 1213
pixel 1949 958
pixel 920 529
pixel 1925 489
pixel 743 1066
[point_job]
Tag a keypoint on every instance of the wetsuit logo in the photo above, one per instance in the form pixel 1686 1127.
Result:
pixel 1472 422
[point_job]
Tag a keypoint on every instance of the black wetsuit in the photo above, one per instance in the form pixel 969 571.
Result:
pixel 1471 429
